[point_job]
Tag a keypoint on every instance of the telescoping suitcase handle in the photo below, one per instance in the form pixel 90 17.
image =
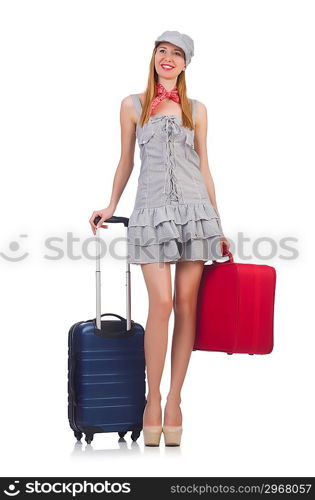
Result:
pixel 124 221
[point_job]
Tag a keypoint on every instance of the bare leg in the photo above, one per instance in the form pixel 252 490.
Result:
pixel 187 281
pixel 157 277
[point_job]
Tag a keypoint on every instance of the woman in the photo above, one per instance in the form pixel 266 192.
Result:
pixel 174 220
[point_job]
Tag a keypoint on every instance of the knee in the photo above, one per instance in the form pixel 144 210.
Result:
pixel 184 305
pixel 163 306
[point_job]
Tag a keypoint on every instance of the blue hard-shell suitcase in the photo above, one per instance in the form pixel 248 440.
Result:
pixel 106 368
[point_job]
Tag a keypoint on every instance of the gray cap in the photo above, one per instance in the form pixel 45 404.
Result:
pixel 181 40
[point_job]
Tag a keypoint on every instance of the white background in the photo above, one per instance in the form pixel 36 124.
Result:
pixel 65 67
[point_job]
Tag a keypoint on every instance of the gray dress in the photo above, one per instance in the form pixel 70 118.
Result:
pixel 173 219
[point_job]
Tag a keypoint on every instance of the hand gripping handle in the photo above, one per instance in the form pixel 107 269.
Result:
pixel 113 219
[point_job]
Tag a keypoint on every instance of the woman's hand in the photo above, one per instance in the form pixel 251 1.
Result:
pixel 105 214
pixel 224 245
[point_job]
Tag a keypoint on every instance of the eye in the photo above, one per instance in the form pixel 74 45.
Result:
pixel 177 53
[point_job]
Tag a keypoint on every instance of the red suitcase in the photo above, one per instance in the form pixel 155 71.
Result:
pixel 235 308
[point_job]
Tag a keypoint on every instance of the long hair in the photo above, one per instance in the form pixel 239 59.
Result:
pixel 150 94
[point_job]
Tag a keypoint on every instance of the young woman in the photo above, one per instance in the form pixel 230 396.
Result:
pixel 174 221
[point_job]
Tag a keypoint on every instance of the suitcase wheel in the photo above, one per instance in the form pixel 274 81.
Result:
pixel 89 438
pixel 122 434
pixel 135 435
pixel 78 435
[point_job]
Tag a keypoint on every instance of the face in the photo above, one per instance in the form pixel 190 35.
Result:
pixel 169 55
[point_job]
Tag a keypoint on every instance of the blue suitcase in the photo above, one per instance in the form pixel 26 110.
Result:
pixel 106 368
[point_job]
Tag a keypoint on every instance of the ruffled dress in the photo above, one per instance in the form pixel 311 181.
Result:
pixel 173 219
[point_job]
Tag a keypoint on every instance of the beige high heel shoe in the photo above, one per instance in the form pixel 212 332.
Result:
pixel 172 435
pixel 152 435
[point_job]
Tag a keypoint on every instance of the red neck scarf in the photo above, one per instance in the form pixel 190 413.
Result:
pixel 162 93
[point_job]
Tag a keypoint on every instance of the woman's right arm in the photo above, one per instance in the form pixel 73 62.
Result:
pixel 125 165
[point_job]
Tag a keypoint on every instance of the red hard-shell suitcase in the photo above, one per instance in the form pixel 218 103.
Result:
pixel 235 308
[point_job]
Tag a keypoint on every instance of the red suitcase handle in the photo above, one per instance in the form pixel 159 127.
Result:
pixel 226 252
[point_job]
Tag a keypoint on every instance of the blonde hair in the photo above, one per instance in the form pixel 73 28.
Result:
pixel 150 94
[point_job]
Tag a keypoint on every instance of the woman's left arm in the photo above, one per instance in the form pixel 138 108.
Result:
pixel 200 144
pixel 201 129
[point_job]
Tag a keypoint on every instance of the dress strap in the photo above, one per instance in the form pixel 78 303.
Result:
pixel 137 104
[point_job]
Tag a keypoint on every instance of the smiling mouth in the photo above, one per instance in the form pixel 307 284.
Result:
pixel 167 66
